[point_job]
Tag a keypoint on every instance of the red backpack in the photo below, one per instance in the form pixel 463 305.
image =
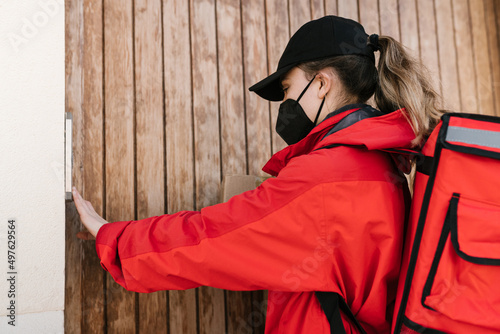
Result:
pixel 450 275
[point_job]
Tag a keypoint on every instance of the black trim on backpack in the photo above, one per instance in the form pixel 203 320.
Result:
pixel 424 164
pixel 466 149
pixel 478 152
pixel 454 241
pixel 420 227
pixel 332 303
pixel 480 117
pixel 419 328
pixel 445 231
pixel 472 150
pixel 450 227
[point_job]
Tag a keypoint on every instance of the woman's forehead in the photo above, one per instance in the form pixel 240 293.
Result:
pixel 294 73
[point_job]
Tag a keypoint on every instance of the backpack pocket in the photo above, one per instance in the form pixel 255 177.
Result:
pixel 464 279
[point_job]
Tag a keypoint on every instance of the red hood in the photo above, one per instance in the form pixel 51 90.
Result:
pixel 390 131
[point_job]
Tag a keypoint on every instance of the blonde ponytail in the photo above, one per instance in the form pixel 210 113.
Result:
pixel 405 82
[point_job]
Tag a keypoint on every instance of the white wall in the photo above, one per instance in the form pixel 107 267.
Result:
pixel 31 162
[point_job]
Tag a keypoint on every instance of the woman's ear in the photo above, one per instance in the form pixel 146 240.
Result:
pixel 325 80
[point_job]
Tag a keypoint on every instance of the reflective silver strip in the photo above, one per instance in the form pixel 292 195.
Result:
pixel 473 136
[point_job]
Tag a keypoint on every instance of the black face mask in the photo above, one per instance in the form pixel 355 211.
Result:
pixel 293 124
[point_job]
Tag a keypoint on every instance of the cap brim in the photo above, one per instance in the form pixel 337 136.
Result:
pixel 270 88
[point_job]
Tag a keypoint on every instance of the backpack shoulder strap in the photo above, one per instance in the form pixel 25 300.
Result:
pixel 423 162
pixel 332 303
pixel 337 145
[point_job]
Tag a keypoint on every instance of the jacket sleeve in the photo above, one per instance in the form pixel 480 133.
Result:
pixel 256 240
pixel 274 237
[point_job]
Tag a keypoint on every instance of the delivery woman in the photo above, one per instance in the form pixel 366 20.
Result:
pixel 331 220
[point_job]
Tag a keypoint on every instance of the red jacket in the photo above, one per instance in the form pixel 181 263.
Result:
pixel 331 220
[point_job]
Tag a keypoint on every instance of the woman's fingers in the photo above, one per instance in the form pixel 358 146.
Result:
pixel 78 203
pixel 88 216
pixel 83 206
pixel 78 199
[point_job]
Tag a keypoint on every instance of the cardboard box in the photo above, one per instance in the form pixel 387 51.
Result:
pixel 236 184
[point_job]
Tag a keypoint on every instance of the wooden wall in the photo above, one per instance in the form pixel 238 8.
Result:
pixel 159 95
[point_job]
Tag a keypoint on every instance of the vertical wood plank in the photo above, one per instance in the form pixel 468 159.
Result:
pixel 494 47
pixel 317 9
pixel 231 90
pixel 261 115
pixel 447 54
pixel 300 13
pixel 239 309
pixel 278 35
pixel 389 18
pixel 73 293
pixel 207 144
pixel 152 307
pixel 368 17
pixel 119 141
pixel 331 7
pixel 182 311
pixel 232 114
pixel 409 26
pixel 179 141
pixel 94 277
pixel 428 41
pixel 348 9
pixel 178 106
pixel 205 101
pixel 465 58
pixel 260 119
pixel 255 69
pixel 497 12
pixel 259 311
pixel 73 246
pixel 482 58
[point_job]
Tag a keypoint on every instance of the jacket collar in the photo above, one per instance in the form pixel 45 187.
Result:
pixel 376 133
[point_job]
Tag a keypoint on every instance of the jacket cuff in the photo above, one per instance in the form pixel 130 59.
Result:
pixel 107 249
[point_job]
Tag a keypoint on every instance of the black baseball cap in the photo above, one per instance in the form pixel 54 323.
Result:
pixel 325 37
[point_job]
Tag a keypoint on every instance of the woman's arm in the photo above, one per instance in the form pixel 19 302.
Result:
pixel 272 237
pixel 260 239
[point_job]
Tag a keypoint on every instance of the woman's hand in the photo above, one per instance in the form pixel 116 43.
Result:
pixel 88 216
